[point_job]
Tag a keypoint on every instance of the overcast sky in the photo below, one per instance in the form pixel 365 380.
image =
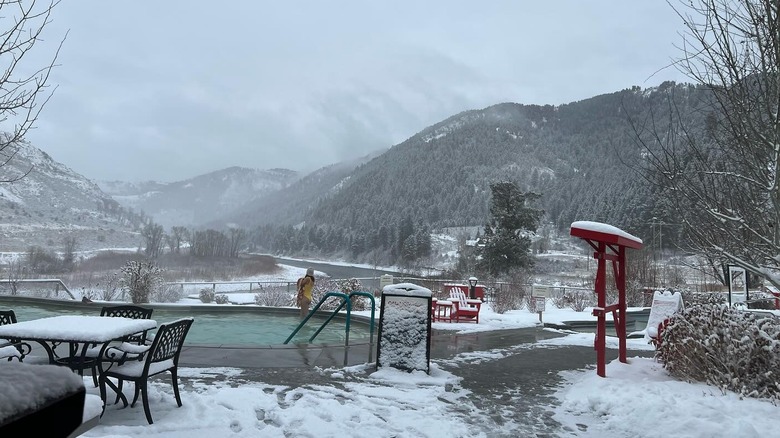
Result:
pixel 169 90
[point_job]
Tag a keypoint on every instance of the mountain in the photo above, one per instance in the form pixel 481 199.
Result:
pixel 582 158
pixel 199 200
pixel 52 202
pixel 290 204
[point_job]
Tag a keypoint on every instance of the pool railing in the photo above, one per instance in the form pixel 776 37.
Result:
pixel 346 300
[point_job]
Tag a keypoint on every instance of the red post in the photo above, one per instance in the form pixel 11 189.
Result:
pixel 601 292
pixel 602 237
pixel 620 318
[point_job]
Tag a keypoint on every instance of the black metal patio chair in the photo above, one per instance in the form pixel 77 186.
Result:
pixel 121 311
pixel 133 312
pixel 9 317
pixel 162 356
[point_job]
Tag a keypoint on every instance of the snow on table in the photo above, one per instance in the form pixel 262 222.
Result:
pixel 76 328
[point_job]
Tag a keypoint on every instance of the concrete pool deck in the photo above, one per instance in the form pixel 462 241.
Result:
pixel 444 345
pixel 517 384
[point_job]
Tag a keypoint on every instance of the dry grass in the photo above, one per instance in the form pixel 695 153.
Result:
pixel 175 267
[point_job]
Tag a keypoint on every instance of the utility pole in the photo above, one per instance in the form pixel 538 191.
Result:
pixel 661 253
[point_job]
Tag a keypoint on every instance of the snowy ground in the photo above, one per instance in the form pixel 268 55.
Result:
pixel 635 400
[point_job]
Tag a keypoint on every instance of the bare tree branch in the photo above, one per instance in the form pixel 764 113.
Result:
pixel 716 154
pixel 23 88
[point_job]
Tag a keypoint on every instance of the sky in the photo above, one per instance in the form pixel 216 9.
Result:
pixel 180 88
pixel 637 399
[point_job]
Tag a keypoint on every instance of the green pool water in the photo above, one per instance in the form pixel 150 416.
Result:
pixel 249 329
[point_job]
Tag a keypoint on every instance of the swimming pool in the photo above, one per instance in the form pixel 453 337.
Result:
pixel 255 327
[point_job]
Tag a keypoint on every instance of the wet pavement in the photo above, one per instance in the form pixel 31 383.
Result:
pixel 511 378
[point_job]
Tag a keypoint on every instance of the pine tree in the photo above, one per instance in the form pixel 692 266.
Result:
pixel 506 242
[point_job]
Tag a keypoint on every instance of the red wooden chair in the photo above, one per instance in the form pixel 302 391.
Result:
pixel 464 309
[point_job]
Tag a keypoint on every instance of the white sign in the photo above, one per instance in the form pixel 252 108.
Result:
pixel 665 304
pixel 541 291
pixel 540 302
pixel 738 285
pixel 385 280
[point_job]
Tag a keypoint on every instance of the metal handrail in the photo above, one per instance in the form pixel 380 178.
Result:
pixel 57 282
pixel 346 301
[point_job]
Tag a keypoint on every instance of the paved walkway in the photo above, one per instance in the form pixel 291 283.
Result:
pixel 517 384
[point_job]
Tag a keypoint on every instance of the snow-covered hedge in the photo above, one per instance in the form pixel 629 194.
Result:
pixel 725 347
pixel 206 295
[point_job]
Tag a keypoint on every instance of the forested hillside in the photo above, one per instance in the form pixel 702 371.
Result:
pixel 581 157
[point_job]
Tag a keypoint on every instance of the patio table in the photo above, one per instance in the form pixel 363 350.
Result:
pixel 79 332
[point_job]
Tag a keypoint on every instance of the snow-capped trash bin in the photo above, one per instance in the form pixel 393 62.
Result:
pixel 405 328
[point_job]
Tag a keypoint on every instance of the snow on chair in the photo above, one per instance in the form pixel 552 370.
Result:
pixel 464 308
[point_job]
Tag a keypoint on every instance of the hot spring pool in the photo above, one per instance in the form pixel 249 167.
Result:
pixel 244 328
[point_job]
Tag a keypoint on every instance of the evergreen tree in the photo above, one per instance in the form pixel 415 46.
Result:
pixel 506 242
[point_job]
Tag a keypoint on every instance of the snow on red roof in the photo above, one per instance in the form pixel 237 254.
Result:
pixel 604 233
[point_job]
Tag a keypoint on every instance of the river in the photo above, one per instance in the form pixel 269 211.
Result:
pixel 369 276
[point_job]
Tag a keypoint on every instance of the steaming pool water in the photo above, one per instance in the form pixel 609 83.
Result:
pixel 255 327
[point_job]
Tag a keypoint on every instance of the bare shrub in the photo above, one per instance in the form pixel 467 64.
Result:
pixel 579 301
pixel 170 293
pixel 530 303
pixel 109 287
pixel 510 296
pixel 560 300
pixel 221 299
pixel 274 296
pixel 725 347
pixel 635 296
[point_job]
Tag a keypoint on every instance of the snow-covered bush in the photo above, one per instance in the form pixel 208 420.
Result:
pixel 691 298
pixel 349 286
pixel 725 347
pixel 321 287
pixel 761 300
pixel 206 295
pixel 141 279
pixel 221 299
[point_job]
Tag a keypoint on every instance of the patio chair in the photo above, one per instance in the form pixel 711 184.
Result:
pixel 162 356
pixel 121 311
pixel 22 348
pixel 464 308
pixel 133 312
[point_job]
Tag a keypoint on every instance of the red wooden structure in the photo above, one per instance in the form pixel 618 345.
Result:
pixel 610 243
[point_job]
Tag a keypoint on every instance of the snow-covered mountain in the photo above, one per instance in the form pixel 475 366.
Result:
pixel 52 202
pixel 199 200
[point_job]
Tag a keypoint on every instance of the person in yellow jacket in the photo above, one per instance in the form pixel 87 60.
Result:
pixel 305 287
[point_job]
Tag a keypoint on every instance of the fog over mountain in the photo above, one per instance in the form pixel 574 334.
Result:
pixel 199 200
pixel 577 156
